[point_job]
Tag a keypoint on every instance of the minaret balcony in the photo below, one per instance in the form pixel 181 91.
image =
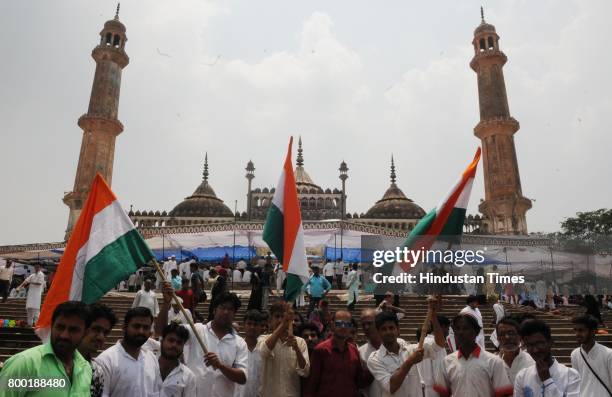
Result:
pixel 90 122
pixel 496 126
pixel 488 55
pixel 109 53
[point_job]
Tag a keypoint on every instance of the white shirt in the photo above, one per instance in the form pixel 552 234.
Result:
pixel 179 317
pixel 236 276
pixel 428 368
pixel 180 382
pixel 480 375
pixel 383 363
pixel 35 291
pixel 600 359
pixel 246 276
pixel 148 300
pixel 251 387
pixel 152 345
pixel 563 382
pixel 185 269
pixel 232 350
pixel 125 376
pixel 522 360
pixel 6 273
pixel 374 390
pixel 499 311
pixel 328 269
pixel 339 268
pixel 168 266
pixel 480 339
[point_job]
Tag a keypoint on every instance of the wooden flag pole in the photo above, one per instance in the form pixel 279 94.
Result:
pixel 180 305
pixel 425 326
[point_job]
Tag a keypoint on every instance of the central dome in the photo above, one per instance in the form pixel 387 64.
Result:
pixel 203 203
pixel 394 204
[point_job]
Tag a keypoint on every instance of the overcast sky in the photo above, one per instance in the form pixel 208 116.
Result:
pixel 358 80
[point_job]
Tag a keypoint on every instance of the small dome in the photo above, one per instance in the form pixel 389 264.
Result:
pixel 484 27
pixel 203 202
pixel 395 205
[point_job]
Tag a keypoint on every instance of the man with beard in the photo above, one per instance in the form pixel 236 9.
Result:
pixel 103 321
pixel 373 344
pixel 129 370
pixel 592 360
pixel 310 333
pixel 58 359
pixel 336 369
pixel 510 351
pixel 147 298
pixel 225 365
pixel 546 377
pixel 471 371
pixel 393 365
pixel 254 326
pixel 178 380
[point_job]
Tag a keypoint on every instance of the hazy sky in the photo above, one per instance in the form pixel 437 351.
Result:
pixel 358 80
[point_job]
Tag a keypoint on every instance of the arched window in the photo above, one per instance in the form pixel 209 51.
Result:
pixel 109 37
pixel 491 44
pixel 116 41
pixel 483 45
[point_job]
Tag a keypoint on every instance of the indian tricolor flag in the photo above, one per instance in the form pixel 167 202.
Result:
pixel 284 233
pixel 104 248
pixel 447 218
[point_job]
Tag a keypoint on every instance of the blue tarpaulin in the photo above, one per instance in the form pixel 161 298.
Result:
pixel 212 254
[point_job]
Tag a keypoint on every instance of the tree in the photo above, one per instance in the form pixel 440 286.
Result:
pixel 591 229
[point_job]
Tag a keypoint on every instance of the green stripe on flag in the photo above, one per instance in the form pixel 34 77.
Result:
pixel 453 228
pixel 273 232
pixel 114 263
pixel 420 229
pixel 293 287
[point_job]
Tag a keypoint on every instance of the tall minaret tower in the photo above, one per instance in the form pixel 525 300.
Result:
pixel 100 124
pixel 504 204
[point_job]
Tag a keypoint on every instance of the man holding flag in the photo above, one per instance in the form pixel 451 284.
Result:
pixel 284 354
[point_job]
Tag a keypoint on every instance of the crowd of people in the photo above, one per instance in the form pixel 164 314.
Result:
pixel 168 348
pixel 283 354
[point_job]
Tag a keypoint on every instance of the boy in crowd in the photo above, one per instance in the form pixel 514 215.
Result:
pixel 592 360
pixel 546 377
pixel 471 371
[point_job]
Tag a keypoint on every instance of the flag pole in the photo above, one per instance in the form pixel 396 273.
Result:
pixel 180 305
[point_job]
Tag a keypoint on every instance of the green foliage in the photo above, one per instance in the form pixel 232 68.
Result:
pixel 588 231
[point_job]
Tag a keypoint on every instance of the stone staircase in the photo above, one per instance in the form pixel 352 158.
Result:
pixel 14 340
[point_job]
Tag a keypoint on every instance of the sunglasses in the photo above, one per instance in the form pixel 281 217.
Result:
pixel 343 324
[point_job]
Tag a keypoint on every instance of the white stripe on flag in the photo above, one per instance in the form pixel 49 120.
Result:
pixel 298 264
pixel 279 195
pixel 106 227
pixel 464 196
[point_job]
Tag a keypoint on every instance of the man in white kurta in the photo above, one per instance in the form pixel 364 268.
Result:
pixel 168 266
pixel 146 298
pixel 352 283
pixel 36 286
pixel 472 310
pixel 590 353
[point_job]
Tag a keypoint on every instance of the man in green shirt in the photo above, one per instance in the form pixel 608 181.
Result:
pixel 58 364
